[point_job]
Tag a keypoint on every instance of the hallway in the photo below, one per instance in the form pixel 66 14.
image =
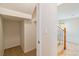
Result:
pixel 17 51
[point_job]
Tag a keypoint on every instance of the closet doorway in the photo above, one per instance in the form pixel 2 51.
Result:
pixel 19 36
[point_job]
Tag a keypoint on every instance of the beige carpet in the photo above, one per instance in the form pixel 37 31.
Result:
pixel 72 50
pixel 17 51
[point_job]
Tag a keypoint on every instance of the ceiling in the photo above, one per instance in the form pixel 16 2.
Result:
pixel 68 10
pixel 20 7
pixel 27 8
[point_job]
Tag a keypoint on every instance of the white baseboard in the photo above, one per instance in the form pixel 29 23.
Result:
pixel 25 51
pixel 13 45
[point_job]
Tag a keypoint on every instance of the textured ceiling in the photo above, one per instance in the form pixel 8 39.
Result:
pixel 67 10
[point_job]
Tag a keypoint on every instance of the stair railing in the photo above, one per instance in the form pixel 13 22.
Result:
pixel 62 34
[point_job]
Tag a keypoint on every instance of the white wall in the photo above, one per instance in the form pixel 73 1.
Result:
pixel 29 36
pixel 11 33
pixel 1 37
pixel 47 19
pixel 22 35
pixel 72 26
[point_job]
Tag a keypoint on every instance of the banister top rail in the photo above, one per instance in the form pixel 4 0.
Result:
pixel 60 27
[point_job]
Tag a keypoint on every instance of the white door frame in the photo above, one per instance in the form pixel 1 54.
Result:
pixel 38 39
pixel 1 38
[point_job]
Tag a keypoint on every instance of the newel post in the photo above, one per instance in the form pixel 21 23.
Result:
pixel 64 38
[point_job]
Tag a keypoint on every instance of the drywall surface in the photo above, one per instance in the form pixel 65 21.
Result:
pixel 47 32
pixel 1 38
pixel 11 33
pixel 29 36
pixel 22 35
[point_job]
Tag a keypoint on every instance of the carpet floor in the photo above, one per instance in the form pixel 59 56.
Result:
pixel 17 51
